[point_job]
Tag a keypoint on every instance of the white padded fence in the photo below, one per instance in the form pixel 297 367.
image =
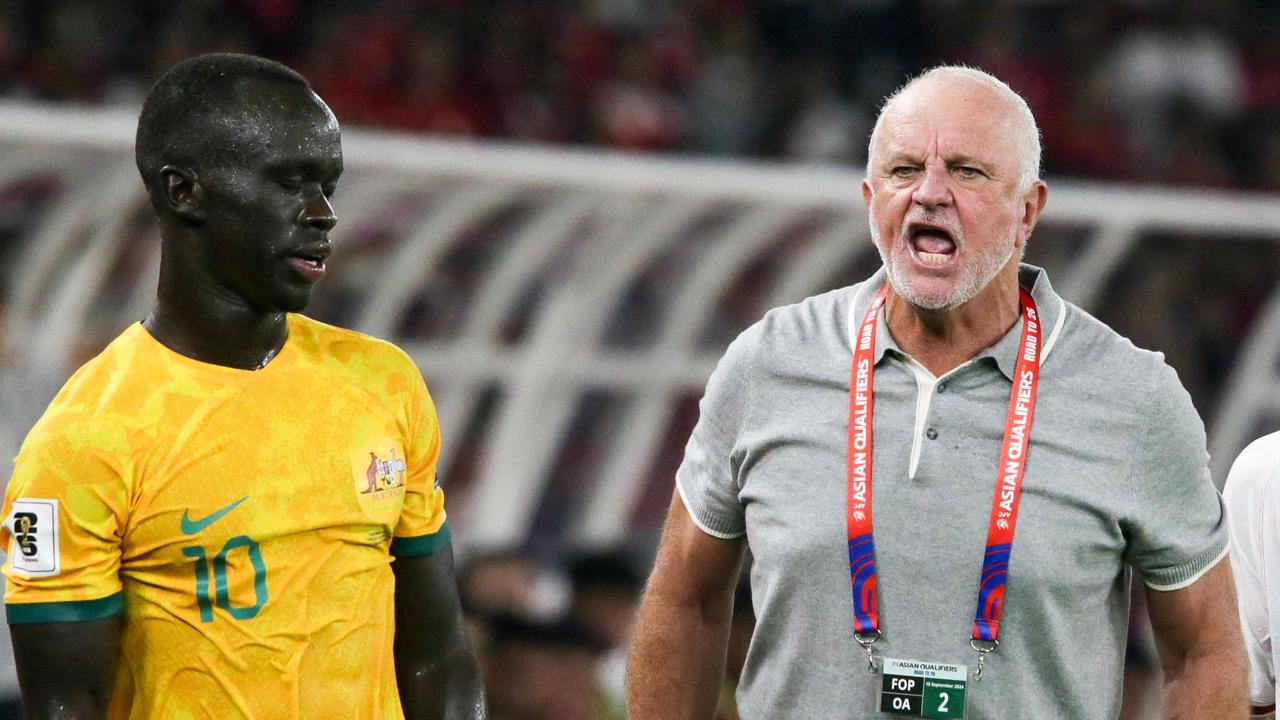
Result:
pixel 567 306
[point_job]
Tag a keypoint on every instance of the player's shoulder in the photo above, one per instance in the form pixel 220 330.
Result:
pixel 118 371
pixel 98 403
pixel 1255 467
pixel 348 350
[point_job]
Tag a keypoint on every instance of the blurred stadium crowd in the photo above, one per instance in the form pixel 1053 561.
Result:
pixel 1167 91
pixel 1176 92
pixel 1179 92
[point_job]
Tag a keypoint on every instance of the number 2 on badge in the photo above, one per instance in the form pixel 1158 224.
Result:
pixel 939 703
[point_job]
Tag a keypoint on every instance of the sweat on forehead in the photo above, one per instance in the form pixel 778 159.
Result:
pixel 255 109
pixel 207 94
pixel 968 84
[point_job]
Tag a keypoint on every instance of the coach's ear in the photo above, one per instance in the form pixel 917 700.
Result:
pixel 181 193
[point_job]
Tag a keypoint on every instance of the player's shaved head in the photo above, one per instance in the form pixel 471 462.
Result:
pixel 200 108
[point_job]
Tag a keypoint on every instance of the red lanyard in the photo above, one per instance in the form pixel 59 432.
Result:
pixel 1004 506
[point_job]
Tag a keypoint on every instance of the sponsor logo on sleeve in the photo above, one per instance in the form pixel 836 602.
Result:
pixel 34 551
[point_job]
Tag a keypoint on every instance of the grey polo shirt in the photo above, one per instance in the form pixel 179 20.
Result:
pixel 1116 480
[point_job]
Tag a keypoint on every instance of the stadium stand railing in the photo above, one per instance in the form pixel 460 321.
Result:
pixel 566 306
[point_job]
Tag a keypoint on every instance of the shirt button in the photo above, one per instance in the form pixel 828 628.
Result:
pixel 931 434
pixel 942 387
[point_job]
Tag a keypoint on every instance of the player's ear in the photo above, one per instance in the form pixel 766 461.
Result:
pixel 181 193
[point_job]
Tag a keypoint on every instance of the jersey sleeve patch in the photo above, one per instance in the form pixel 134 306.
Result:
pixel 75 611
pixel 33 525
pixel 422 544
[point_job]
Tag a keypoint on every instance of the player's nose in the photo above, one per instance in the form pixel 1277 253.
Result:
pixel 317 212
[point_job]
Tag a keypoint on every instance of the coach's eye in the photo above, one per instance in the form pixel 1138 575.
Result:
pixel 903 171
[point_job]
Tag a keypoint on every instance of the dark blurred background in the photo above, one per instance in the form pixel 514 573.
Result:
pixel 1184 92
pixel 1181 93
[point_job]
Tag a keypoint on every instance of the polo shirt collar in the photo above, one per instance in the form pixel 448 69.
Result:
pixel 1004 352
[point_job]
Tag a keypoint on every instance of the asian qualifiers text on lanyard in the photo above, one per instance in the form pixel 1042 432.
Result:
pixel 1004 506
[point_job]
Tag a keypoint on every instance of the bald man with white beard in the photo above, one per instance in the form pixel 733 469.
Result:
pixel 946 474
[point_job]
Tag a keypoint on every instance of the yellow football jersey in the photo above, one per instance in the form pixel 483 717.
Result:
pixel 244 522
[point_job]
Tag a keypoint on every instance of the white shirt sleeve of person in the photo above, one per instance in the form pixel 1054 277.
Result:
pixel 1252 495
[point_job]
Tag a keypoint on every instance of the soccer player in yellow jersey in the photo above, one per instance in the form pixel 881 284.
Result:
pixel 232 511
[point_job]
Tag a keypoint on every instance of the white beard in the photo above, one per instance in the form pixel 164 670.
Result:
pixel 980 269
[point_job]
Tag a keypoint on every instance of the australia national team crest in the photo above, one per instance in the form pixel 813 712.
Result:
pixel 378 472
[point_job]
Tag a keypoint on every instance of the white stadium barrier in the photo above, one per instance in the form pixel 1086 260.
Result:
pixel 567 306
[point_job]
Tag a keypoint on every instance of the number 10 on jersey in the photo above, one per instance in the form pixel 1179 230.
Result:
pixel 221 592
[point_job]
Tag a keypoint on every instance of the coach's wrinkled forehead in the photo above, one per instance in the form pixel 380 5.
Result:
pixel 966 98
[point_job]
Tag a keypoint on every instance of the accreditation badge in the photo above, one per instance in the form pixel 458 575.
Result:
pixel 923 689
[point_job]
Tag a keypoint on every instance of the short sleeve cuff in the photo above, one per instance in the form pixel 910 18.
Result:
pixel 1180 576
pixel 76 611
pixel 422 544
pixel 707 521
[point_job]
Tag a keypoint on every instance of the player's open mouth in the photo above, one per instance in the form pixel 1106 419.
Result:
pixel 309 261
pixel 309 269
pixel 931 244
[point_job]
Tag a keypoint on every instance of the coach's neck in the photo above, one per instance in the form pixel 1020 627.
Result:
pixel 946 338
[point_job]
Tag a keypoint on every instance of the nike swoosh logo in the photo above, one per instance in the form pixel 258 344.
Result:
pixel 191 527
